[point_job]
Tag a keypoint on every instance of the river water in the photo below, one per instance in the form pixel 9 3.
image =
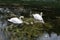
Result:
pixel 3 24
pixel 46 36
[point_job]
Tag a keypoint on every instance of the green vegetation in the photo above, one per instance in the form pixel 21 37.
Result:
pixel 30 31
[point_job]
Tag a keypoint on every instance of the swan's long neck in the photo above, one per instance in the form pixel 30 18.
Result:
pixel 41 13
pixel 21 17
pixel 8 19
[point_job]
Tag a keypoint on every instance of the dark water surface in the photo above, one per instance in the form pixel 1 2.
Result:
pixel 46 36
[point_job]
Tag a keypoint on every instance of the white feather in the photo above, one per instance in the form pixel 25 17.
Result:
pixel 15 20
pixel 41 13
pixel 38 17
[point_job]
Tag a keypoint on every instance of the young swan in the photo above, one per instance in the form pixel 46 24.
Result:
pixel 38 17
pixel 15 20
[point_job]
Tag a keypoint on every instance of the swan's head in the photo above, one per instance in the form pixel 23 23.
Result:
pixel 21 17
pixel 33 14
pixel 41 13
pixel 9 20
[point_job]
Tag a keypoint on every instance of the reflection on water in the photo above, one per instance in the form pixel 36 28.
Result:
pixel 3 24
pixel 46 36
pixel 3 36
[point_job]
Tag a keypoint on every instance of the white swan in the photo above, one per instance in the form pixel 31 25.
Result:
pixel 38 17
pixel 15 20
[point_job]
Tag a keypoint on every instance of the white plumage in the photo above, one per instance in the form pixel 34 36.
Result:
pixel 38 17
pixel 15 20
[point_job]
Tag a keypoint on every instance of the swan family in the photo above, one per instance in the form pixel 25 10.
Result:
pixel 16 20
